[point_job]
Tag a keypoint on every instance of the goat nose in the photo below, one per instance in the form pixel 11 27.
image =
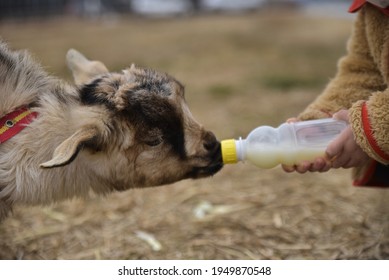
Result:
pixel 210 142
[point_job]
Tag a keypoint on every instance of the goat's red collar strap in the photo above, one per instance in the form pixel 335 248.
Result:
pixel 357 4
pixel 12 123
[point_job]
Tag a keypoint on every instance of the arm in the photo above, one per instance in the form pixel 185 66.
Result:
pixel 359 86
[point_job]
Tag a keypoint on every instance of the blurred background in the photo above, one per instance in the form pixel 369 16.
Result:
pixel 244 63
pixel 23 9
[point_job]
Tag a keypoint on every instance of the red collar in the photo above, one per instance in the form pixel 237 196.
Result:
pixel 357 4
pixel 12 123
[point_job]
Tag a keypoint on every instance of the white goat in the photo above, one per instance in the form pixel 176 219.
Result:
pixel 113 131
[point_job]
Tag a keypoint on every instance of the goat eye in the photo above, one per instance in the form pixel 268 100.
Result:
pixel 153 137
pixel 153 142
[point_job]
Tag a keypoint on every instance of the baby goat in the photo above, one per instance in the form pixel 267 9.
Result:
pixel 113 131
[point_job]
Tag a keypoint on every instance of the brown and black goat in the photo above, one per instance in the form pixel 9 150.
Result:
pixel 112 131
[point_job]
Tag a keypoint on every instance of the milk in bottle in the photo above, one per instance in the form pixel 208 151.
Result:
pixel 290 143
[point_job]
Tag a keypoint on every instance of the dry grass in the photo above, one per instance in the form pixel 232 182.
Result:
pixel 240 72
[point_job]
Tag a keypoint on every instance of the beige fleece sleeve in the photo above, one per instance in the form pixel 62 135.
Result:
pixel 356 79
pixel 370 124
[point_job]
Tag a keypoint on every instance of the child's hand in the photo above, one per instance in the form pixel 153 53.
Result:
pixel 344 151
pixel 341 152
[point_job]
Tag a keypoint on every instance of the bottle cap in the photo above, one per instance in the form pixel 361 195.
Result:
pixel 229 154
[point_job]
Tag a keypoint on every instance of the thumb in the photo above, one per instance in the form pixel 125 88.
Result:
pixel 333 149
pixel 336 146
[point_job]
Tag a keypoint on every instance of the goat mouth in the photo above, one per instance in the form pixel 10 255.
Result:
pixel 213 169
pixel 214 166
pixel 201 172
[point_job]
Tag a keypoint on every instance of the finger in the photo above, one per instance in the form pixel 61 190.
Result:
pixel 341 115
pixel 318 165
pixel 292 120
pixel 334 149
pixel 288 168
pixel 303 167
pixel 326 168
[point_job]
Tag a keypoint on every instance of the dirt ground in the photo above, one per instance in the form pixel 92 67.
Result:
pixel 240 71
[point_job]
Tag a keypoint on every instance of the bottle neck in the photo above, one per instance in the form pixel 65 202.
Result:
pixel 240 149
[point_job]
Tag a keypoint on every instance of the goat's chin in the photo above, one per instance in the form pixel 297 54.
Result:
pixel 208 170
pixel 201 172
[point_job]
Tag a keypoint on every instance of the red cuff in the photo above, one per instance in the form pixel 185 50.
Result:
pixel 369 134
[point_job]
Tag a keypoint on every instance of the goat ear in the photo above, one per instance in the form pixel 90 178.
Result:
pixel 83 70
pixel 67 151
pixel 129 73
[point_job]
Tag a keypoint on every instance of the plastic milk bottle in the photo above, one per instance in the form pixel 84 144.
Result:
pixel 290 143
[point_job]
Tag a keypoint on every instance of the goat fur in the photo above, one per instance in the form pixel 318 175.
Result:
pixel 113 131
